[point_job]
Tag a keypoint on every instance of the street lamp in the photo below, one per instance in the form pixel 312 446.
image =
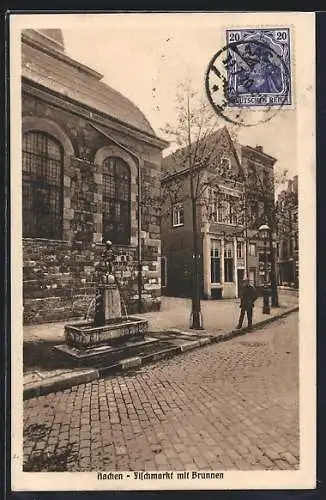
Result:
pixel 264 231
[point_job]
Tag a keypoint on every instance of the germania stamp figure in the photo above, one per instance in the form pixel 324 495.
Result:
pixel 258 67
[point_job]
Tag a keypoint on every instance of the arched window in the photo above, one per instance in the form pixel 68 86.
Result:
pixel 42 186
pixel 116 200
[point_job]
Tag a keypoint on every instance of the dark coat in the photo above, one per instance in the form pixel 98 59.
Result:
pixel 248 297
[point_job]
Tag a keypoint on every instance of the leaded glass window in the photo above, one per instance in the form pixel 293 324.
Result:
pixel 42 186
pixel 116 200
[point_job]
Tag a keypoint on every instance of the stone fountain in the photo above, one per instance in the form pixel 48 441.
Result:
pixel 109 335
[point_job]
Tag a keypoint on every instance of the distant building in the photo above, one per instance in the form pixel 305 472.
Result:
pixel 84 145
pixel 226 247
pixel 288 235
pixel 259 170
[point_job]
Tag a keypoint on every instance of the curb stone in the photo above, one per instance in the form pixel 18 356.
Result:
pixel 62 382
pixel 165 353
pixel 59 383
pixel 188 346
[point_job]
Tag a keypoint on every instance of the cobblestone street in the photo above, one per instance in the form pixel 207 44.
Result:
pixel 232 405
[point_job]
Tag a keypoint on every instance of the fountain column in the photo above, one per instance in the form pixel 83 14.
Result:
pixel 94 341
pixel 107 300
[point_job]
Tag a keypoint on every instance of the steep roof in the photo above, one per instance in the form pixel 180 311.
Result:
pixel 171 163
pixel 174 163
pixel 45 63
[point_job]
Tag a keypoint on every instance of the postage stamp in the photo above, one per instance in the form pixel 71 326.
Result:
pixel 258 67
pixel 251 72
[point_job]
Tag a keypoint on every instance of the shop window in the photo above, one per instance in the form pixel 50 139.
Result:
pixel 228 264
pixel 116 201
pixel 215 262
pixel 228 270
pixel 42 182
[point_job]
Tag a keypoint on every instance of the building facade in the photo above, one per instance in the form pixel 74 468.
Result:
pixel 87 155
pixel 288 235
pixel 259 171
pixel 228 221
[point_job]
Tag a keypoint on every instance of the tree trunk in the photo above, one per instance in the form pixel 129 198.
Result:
pixel 196 316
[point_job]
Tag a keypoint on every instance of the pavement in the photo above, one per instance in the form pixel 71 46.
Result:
pixel 229 405
pixel 45 371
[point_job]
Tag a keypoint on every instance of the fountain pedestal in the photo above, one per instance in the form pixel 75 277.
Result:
pixel 107 303
pixel 109 335
pixel 111 301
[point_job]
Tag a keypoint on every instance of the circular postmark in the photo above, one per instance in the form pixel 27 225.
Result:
pixel 248 82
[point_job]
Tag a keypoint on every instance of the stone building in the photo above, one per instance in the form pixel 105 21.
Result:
pixel 229 243
pixel 259 170
pixel 88 154
pixel 288 235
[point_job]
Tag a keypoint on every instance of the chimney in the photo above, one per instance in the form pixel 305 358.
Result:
pixel 259 148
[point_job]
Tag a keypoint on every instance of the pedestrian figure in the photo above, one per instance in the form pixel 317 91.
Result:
pixel 248 298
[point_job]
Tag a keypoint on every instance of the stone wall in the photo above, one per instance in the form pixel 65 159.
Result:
pixel 59 279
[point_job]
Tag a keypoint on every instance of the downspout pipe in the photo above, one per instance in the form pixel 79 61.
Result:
pixel 139 163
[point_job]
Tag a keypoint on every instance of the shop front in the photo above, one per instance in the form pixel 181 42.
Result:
pixel 224 266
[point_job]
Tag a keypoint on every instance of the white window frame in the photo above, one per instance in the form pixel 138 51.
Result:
pixel 177 210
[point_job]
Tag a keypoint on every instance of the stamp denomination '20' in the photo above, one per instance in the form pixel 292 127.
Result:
pixel 259 69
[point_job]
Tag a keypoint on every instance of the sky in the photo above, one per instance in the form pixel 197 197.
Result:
pixel 145 59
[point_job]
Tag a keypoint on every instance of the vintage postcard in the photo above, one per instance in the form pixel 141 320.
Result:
pixel 163 251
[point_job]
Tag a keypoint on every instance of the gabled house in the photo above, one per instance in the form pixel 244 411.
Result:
pixel 227 239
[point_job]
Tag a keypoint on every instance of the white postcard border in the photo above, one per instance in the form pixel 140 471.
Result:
pixel 305 102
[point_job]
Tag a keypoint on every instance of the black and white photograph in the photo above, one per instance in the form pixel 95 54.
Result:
pixel 162 251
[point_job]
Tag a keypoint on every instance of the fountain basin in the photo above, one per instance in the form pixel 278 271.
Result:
pixel 106 355
pixel 84 335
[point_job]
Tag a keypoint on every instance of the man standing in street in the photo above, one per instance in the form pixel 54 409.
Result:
pixel 247 300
